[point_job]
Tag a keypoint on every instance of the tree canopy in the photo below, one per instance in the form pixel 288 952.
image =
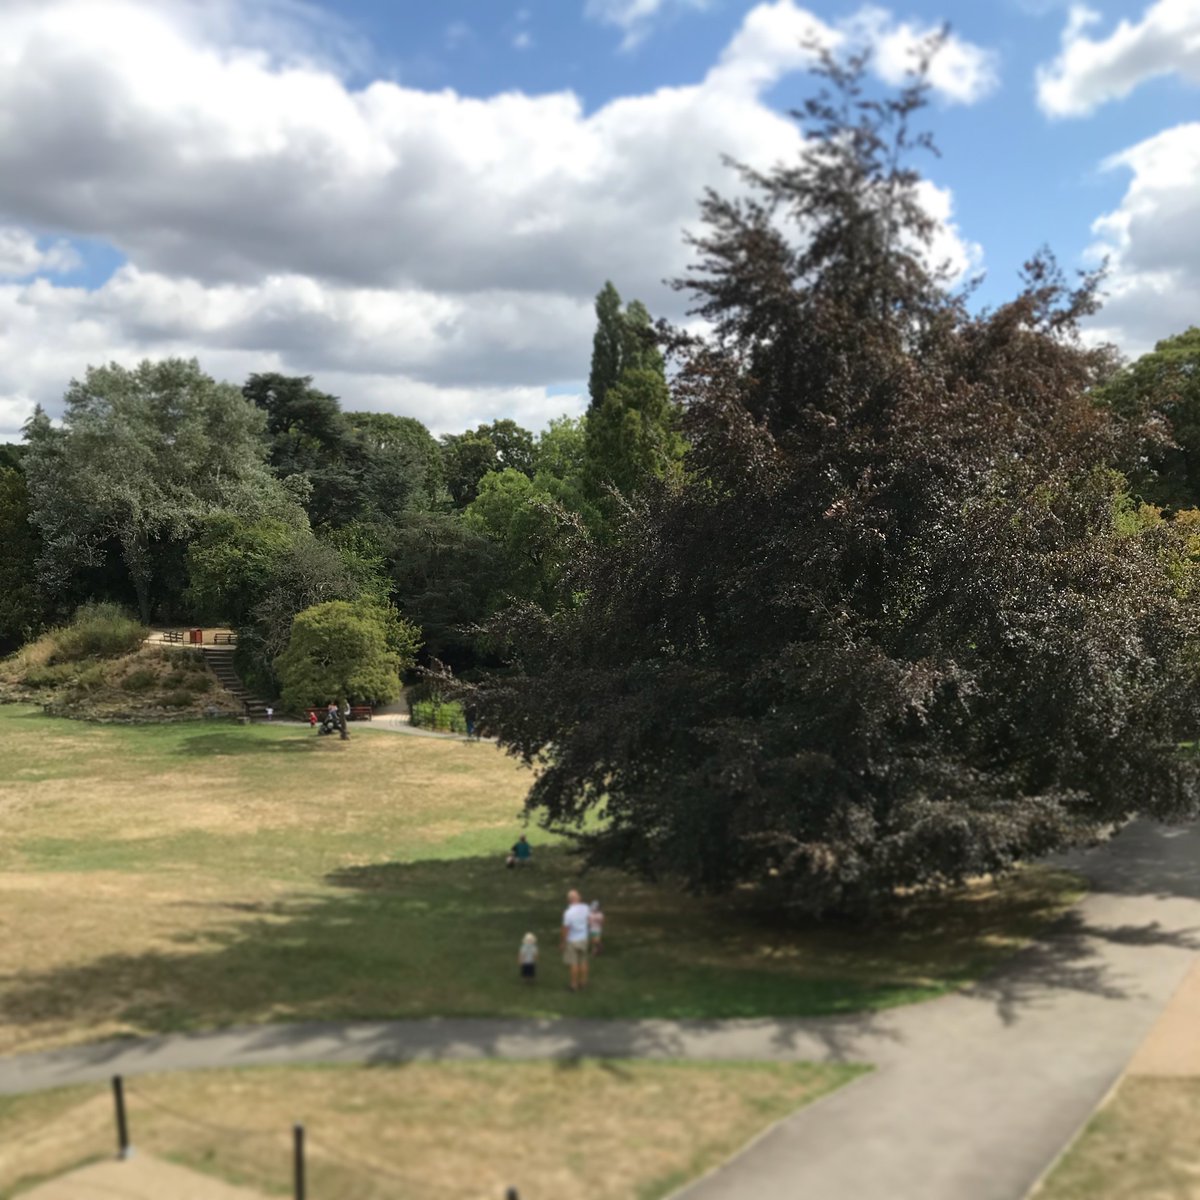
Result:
pixel 340 651
pixel 889 629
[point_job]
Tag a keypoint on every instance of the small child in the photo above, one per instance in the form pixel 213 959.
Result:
pixel 595 926
pixel 527 956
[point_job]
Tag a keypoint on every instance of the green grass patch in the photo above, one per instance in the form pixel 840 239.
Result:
pixel 187 877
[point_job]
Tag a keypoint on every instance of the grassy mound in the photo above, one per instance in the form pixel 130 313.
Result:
pixel 100 668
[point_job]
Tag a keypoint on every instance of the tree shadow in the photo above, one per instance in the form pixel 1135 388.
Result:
pixel 226 743
pixel 396 941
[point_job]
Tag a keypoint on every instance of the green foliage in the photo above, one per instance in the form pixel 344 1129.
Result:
pixel 530 521
pixel 895 626
pixel 633 436
pixel 340 651
pixel 468 457
pixel 445 715
pixel 1159 395
pixel 562 449
pixel 446 576
pixel 624 341
pixel 232 561
pixel 21 607
pixel 102 630
pixel 402 464
pixel 142 457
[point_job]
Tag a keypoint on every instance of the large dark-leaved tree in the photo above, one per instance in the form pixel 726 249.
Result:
pixel 886 631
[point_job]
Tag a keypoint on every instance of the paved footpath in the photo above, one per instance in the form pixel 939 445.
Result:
pixel 973 1094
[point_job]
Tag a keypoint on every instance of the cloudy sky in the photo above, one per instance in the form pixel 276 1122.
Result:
pixel 416 203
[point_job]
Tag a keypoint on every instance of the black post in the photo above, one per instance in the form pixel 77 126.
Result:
pixel 511 1194
pixel 118 1087
pixel 298 1169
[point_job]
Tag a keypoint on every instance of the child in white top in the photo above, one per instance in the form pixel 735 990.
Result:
pixel 527 957
pixel 595 926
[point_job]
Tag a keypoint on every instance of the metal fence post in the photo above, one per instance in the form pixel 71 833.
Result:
pixel 298 1160
pixel 124 1150
pixel 511 1194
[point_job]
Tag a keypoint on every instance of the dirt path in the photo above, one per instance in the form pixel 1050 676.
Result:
pixel 141 1178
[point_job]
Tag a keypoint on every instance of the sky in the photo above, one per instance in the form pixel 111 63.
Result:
pixel 416 203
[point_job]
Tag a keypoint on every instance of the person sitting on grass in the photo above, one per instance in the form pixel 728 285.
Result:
pixel 527 957
pixel 521 854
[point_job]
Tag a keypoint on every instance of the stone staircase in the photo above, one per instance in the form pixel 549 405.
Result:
pixel 220 662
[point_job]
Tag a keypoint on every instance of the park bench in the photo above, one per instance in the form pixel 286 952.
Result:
pixel 361 712
pixel 173 635
pixel 224 639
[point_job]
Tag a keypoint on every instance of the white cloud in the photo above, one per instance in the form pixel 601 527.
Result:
pixel 21 255
pixel 274 217
pixel 636 17
pixel 778 38
pixel 960 72
pixel 1089 72
pixel 1149 239
pixel 523 40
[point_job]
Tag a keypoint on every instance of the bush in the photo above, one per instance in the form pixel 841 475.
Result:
pixel 98 631
pixel 180 698
pixel 445 715
pixel 141 680
pixel 41 675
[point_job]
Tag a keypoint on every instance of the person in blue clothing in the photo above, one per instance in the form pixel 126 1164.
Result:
pixel 521 854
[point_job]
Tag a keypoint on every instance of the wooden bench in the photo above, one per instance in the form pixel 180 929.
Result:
pixel 361 712
pixel 224 639
pixel 173 635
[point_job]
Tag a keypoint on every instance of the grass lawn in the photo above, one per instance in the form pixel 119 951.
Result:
pixel 191 876
pixel 1142 1143
pixel 604 1131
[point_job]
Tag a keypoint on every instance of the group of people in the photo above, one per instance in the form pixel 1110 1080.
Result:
pixel 580 938
pixel 333 721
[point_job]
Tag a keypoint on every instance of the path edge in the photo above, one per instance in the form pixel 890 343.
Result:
pixel 1038 1185
pixel 682 1191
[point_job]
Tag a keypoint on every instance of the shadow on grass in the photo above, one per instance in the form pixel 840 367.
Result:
pixel 439 939
pixel 235 741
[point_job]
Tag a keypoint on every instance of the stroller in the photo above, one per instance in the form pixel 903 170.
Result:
pixel 329 723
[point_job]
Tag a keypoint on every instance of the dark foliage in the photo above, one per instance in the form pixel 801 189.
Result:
pixel 886 633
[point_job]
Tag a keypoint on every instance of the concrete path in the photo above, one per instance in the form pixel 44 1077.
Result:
pixel 141 1178
pixel 973 1093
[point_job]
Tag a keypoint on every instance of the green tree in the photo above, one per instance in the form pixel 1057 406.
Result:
pixel 142 457
pixel 468 457
pixel 402 463
pixel 534 528
pixel 1160 394
pixel 20 603
pixel 561 449
pixel 343 651
pixel 309 435
pixel 887 632
pixel 634 435
pixel 624 341
pixel 447 576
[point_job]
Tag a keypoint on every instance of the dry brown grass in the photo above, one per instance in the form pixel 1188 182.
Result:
pixel 600 1130
pixel 1142 1145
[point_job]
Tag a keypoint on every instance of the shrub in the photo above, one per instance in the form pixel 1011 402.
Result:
pixel 141 680
pixel 180 698
pixel 41 675
pixel 98 631
pixel 445 715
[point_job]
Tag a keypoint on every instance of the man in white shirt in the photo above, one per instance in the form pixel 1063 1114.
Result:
pixel 575 939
